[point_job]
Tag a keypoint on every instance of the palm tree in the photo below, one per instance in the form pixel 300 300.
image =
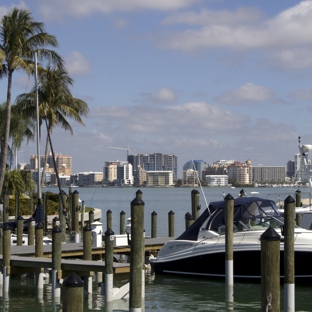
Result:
pixel 20 37
pixel 56 103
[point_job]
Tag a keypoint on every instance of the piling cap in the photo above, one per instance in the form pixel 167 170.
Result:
pixel 154 213
pixel 108 211
pixel 196 192
pixel 20 218
pixel 289 200
pixel 39 226
pixel 31 219
pixel 62 192
pixel 137 202
pixel 122 213
pixel 298 191
pixel 109 232
pixel 171 212
pixel 6 227
pixel 270 235
pixel 91 212
pixel 73 280
pixel 187 214
pixel 138 192
pixel 87 228
pixel 75 192
pixel 56 219
pixel 56 229
pixel 228 197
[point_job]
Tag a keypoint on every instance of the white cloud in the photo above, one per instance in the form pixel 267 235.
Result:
pixel 290 59
pixel 52 9
pixel 246 94
pixel 282 31
pixel 77 64
pixel 162 96
pixel 302 94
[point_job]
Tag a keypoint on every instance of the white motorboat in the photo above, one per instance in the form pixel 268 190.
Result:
pixel 200 250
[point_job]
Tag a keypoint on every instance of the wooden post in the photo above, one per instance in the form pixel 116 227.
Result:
pixel 75 211
pixel 62 213
pixel 298 204
pixel 270 270
pixel 139 194
pixel 39 240
pixel 171 223
pixel 136 260
pixel 122 227
pixel 19 234
pixel 6 258
pixel 72 294
pixel 289 254
pixel 109 223
pixel 17 204
pixel 193 202
pixel 229 222
pixel 154 224
pixel 56 261
pixel 87 243
pixel 186 217
pixel 6 209
pixel 109 269
pixel 91 217
pixel 83 210
pixel 31 231
pixel 196 204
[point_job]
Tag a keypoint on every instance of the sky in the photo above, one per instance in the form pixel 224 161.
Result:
pixel 201 79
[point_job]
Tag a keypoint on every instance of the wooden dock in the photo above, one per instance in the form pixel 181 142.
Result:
pixel 23 258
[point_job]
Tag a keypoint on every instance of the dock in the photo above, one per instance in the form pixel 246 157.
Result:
pixel 23 258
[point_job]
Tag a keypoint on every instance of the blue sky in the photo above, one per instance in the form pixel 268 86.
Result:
pixel 202 79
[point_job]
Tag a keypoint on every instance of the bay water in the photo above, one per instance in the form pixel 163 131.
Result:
pixel 163 293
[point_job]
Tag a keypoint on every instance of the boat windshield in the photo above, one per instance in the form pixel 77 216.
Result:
pixel 254 215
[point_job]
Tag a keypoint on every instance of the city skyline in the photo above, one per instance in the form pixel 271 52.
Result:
pixel 194 78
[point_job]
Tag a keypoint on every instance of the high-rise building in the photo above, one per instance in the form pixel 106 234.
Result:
pixel 118 172
pixel 269 174
pixel 198 165
pixel 240 172
pixel 300 172
pixel 290 169
pixel 159 178
pixel 154 162
pixel 190 177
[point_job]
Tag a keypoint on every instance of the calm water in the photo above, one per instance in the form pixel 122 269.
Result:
pixel 163 293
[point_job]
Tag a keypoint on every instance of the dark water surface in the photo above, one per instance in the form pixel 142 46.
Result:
pixel 163 293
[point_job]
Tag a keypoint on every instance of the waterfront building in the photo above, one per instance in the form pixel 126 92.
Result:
pixel 154 162
pixel 159 178
pixel 90 178
pixel 269 174
pixel 198 165
pixel 219 167
pixel 240 172
pixel 118 172
pixel 190 177
pixel 290 169
pixel 217 180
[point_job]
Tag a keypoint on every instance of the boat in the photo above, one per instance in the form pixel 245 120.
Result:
pixel 200 250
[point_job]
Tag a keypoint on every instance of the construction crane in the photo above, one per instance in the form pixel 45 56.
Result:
pixel 125 149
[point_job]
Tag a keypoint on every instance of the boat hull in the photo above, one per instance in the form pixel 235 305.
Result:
pixel 213 265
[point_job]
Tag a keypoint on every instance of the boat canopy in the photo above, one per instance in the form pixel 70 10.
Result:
pixel 246 210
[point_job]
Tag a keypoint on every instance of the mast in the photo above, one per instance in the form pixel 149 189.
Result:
pixel 38 139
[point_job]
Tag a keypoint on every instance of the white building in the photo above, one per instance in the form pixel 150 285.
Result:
pixel 90 178
pixel 190 177
pixel 217 180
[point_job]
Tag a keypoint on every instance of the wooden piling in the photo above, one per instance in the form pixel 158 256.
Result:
pixel 229 224
pixel 289 254
pixel 45 212
pixel 171 223
pixel 83 210
pixel 19 234
pixel 91 217
pixel 87 243
pixel 6 202
pixel 62 213
pixel 17 204
pixel 39 240
pixel 75 211
pixel 298 204
pixel 109 222
pixel 56 261
pixel 122 227
pixel 6 269
pixel 31 231
pixel 270 270
pixel 72 294
pixel 136 260
pixel 196 204
pixel 154 224
pixel 109 269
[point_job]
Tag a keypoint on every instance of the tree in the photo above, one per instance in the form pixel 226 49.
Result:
pixel 20 37
pixel 56 103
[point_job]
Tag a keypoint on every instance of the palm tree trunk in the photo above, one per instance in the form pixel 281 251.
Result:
pixel 4 147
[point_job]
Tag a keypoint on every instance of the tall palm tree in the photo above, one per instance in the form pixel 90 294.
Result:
pixel 56 103
pixel 20 37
